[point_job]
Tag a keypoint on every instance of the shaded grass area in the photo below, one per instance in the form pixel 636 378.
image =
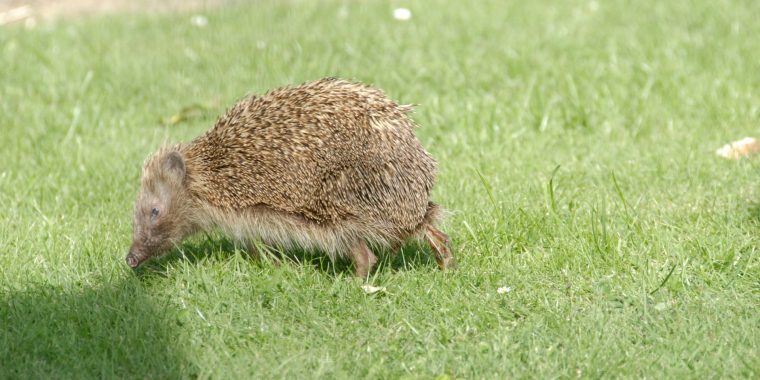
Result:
pixel 113 330
pixel 575 143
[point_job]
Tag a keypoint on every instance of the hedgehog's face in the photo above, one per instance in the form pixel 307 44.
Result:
pixel 160 215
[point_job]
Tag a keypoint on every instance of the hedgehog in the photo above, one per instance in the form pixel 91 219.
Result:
pixel 330 166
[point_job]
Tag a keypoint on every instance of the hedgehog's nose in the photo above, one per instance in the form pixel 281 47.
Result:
pixel 132 259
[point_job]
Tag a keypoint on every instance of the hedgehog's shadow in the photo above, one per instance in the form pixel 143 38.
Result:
pixel 194 251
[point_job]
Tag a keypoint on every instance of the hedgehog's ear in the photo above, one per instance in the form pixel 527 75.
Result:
pixel 174 165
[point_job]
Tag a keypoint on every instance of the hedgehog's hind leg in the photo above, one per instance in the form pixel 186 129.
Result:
pixel 439 241
pixel 363 259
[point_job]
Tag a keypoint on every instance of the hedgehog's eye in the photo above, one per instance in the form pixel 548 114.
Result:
pixel 154 212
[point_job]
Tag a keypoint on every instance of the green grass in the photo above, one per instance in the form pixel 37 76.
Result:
pixel 575 142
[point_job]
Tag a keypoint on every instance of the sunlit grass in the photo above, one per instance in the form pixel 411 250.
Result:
pixel 575 142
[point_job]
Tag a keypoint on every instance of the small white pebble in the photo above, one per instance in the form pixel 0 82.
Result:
pixel 503 290
pixel 402 14
pixel 199 21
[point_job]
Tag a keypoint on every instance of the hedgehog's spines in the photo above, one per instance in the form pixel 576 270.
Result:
pixel 318 165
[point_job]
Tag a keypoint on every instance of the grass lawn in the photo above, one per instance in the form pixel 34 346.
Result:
pixel 576 146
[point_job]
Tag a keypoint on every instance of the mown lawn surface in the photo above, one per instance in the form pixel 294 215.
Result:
pixel 576 146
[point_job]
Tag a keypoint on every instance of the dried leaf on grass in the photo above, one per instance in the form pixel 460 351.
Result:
pixel 16 14
pixel 370 289
pixel 745 147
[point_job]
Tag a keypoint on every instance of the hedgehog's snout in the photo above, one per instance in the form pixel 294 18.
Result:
pixel 132 261
pixel 134 258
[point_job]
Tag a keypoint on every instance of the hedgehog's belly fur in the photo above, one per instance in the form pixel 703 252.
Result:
pixel 289 231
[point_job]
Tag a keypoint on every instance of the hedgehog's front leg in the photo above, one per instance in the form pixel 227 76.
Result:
pixel 439 241
pixel 256 253
pixel 363 259
pixel 252 250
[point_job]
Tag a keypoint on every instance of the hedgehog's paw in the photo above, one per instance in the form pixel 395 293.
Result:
pixel 255 251
pixel 441 245
pixel 363 258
